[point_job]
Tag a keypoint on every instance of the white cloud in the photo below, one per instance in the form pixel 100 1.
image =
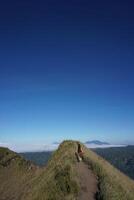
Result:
pixel 93 146
pixel 2 144
pixel 47 147
pixel 30 147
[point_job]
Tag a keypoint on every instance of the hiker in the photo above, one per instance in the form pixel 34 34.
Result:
pixel 79 153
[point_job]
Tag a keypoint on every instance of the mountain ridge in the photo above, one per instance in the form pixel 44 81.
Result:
pixel 98 142
pixel 59 179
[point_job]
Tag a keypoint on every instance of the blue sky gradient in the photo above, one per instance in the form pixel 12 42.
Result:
pixel 66 71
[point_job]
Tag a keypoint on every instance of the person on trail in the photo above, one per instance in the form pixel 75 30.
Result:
pixel 79 152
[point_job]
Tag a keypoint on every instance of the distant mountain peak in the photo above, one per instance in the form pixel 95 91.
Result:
pixel 97 142
pixel 56 143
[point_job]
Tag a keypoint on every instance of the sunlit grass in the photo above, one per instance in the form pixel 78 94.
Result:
pixel 20 180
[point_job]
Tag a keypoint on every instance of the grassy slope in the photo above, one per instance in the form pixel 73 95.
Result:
pixel 58 180
pixel 54 182
pixel 114 185
pixel 120 157
pixel 15 173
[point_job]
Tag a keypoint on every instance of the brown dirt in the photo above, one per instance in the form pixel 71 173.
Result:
pixel 88 182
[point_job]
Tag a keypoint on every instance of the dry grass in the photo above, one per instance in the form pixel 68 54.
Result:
pixel 20 180
pixel 54 182
pixel 113 184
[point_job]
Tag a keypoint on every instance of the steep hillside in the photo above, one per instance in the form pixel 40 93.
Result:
pixel 60 179
pixel 120 157
pixel 113 184
pixel 15 173
pixel 39 158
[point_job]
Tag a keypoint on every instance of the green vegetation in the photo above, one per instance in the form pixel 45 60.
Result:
pixel 21 180
pixel 120 157
pixel 38 158
pixel 113 184
pixel 9 158
pixel 56 181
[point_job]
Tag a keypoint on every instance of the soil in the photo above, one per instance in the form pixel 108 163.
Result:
pixel 88 182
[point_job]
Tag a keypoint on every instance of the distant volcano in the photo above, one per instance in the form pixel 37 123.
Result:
pixel 97 142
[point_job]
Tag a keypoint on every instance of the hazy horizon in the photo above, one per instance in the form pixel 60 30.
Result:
pixel 27 147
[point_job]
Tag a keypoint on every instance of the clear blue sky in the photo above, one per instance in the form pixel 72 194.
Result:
pixel 66 71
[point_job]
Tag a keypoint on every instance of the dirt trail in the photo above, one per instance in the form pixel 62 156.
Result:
pixel 88 182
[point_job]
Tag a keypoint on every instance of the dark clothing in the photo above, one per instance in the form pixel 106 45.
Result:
pixel 79 148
